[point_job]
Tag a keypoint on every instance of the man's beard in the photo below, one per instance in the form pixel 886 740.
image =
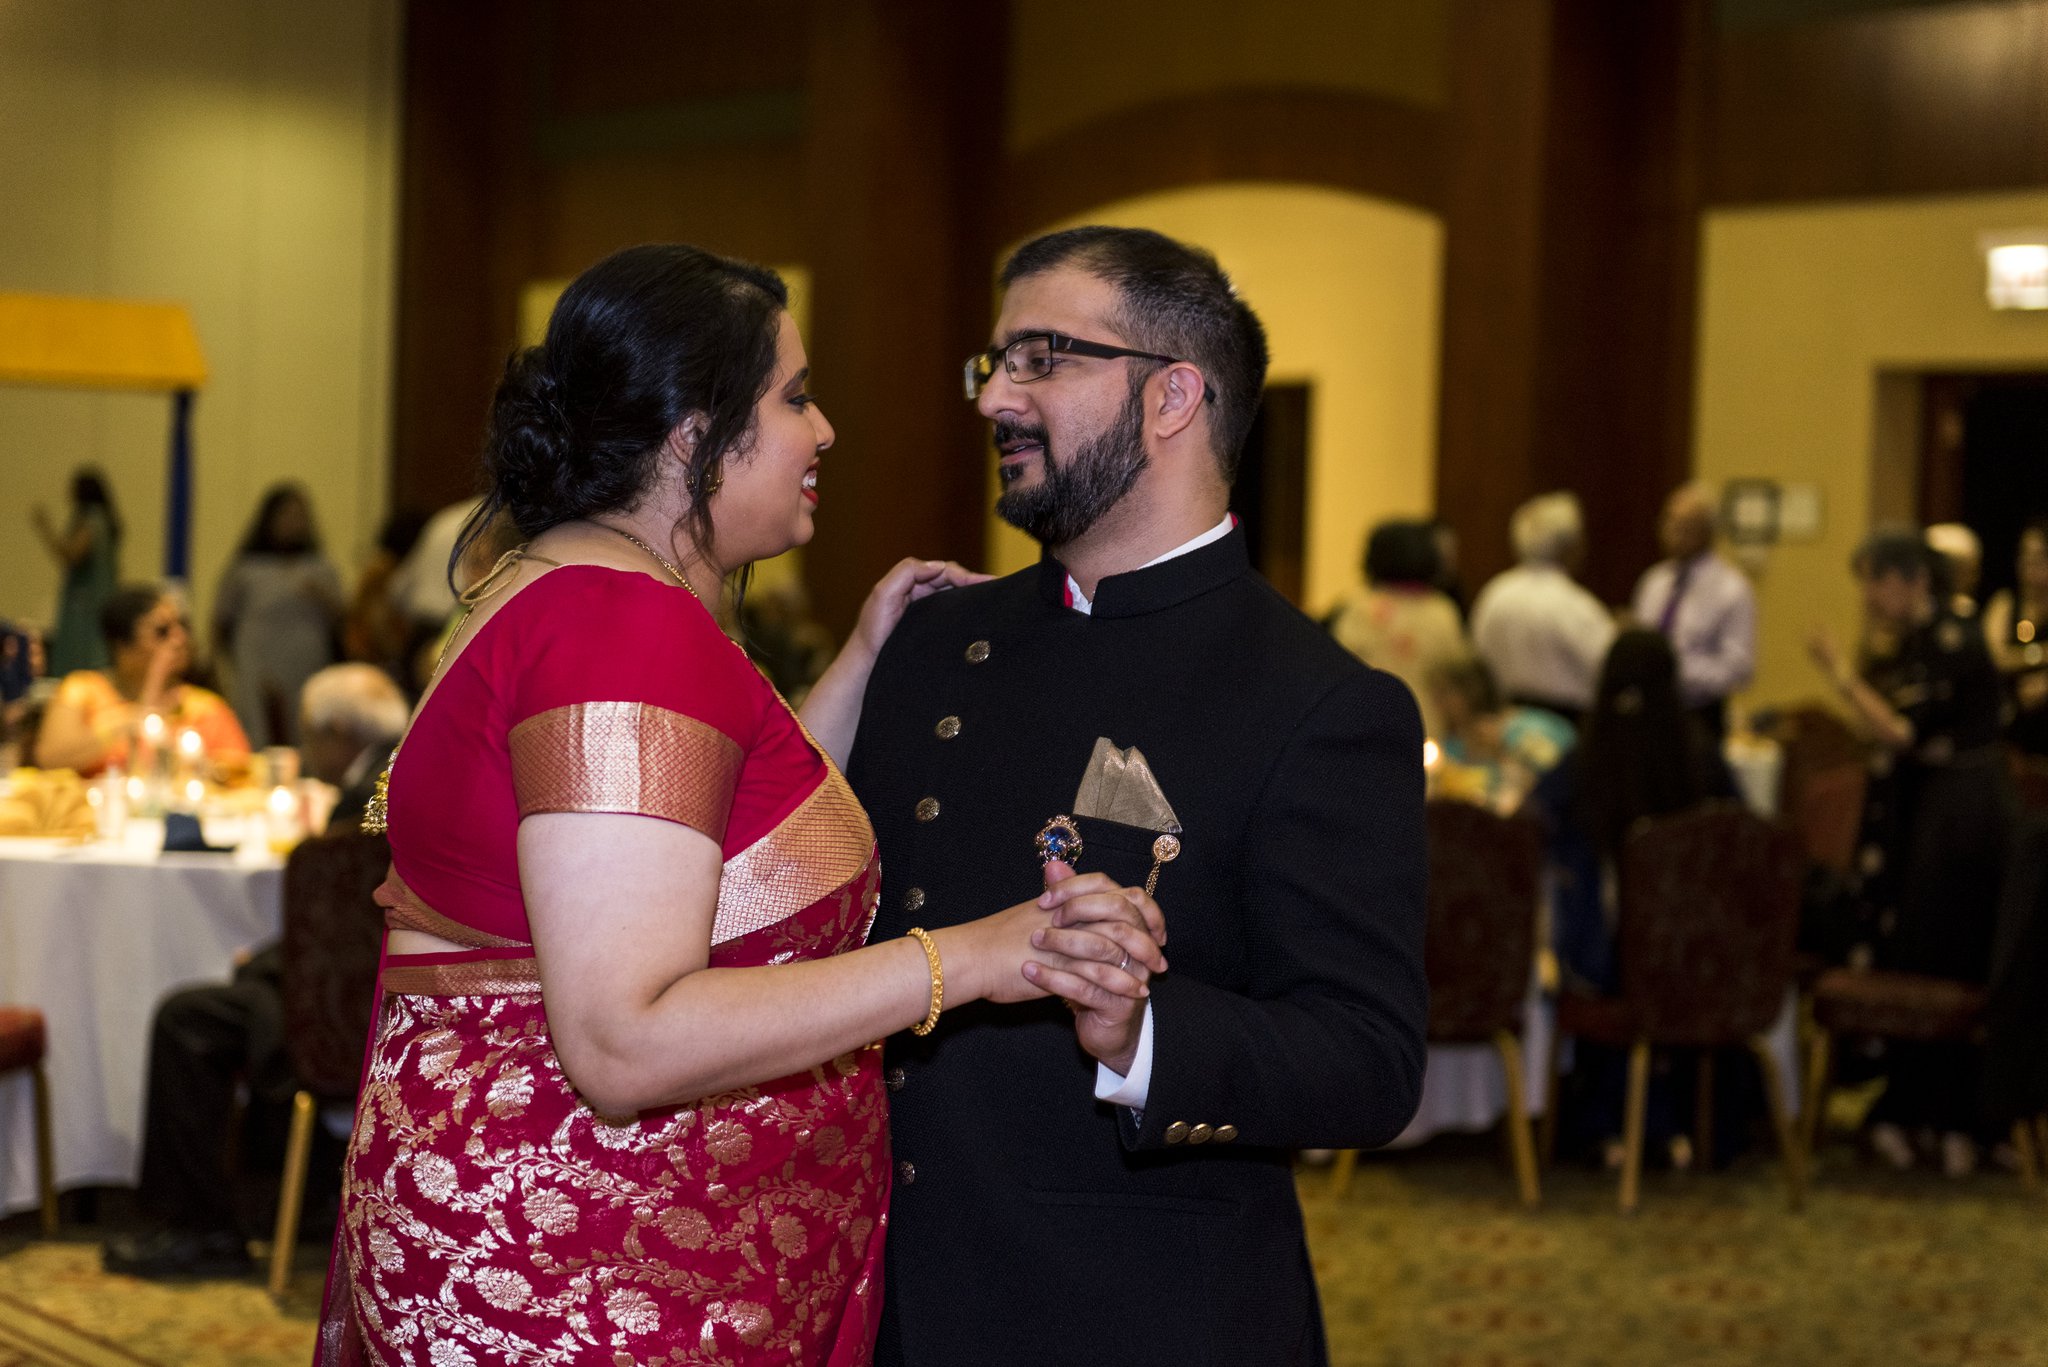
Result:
pixel 1072 497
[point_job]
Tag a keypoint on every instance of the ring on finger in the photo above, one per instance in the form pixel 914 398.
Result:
pixel 1125 966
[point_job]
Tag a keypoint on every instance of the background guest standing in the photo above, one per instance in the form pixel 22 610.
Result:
pixel 1703 604
pixel 89 552
pixel 1401 621
pixel 2016 630
pixel 1541 634
pixel 277 614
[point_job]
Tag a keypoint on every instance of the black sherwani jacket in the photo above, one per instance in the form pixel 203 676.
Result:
pixel 1031 1223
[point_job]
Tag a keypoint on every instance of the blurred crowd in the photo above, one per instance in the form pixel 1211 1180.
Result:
pixel 1543 701
pixel 1537 699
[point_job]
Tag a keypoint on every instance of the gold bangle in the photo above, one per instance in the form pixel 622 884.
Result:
pixel 931 957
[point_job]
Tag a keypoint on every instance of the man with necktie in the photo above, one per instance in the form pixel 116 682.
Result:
pixel 1703 604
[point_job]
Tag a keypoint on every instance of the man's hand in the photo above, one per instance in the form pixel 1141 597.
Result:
pixel 1107 1024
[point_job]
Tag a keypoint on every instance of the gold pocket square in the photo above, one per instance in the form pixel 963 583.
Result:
pixel 1118 786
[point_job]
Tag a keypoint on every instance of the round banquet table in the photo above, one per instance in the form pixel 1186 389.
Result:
pixel 95 936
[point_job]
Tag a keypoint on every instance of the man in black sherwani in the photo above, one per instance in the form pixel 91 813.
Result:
pixel 1100 1180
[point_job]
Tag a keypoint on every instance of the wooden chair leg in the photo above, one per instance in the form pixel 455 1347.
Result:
pixel 1790 1150
pixel 1546 1128
pixel 1341 1170
pixel 1519 1141
pixel 1632 1135
pixel 298 1150
pixel 2030 1161
pixel 1703 1111
pixel 1818 1061
pixel 46 1150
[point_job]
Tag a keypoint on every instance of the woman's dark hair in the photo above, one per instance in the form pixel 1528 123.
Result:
pixel 89 490
pixel 260 540
pixel 1642 753
pixel 644 339
pixel 1468 677
pixel 126 607
pixel 1403 553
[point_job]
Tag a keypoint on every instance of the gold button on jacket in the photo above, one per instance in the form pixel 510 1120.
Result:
pixel 913 900
pixel 1225 1133
pixel 928 809
pixel 947 728
pixel 1201 1134
pixel 977 652
pixel 1177 1132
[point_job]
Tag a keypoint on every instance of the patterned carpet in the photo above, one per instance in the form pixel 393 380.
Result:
pixel 1426 1263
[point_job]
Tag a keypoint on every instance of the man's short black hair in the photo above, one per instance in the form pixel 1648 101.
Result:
pixel 1173 299
pixel 1894 550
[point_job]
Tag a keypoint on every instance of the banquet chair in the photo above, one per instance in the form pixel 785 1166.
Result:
pixel 1814 740
pixel 332 935
pixel 1485 876
pixel 22 1042
pixel 2007 1016
pixel 1709 908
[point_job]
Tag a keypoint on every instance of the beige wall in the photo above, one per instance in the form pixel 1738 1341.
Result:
pixel 239 156
pixel 1074 61
pixel 1807 317
pixel 1349 291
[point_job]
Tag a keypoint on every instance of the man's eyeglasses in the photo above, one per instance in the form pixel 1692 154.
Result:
pixel 1030 358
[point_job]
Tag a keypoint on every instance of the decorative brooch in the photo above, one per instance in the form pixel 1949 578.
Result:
pixel 1060 839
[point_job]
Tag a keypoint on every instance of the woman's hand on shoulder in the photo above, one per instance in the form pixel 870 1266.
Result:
pixel 908 581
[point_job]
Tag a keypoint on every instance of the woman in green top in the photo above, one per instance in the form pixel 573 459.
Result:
pixel 88 551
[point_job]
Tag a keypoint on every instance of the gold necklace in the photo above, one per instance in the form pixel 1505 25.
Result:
pixel 659 558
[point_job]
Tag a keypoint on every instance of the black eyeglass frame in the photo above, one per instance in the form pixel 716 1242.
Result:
pixel 980 368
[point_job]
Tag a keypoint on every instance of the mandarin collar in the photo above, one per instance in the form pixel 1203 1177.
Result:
pixel 1157 587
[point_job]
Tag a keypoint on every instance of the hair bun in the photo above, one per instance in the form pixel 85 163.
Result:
pixel 530 453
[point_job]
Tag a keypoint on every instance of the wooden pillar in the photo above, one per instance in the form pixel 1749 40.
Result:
pixel 1571 253
pixel 464 236
pixel 905 128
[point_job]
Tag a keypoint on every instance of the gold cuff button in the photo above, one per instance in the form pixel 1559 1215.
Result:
pixel 977 652
pixel 1177 1132
pixel 1225 1133
pixel 928 809
pixel 947 728
pixel 1201 1134
pixel 914 900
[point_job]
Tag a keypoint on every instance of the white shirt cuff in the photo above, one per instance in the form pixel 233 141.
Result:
pixel 1129 1090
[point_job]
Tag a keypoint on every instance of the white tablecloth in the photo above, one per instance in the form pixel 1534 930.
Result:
pixel 95 936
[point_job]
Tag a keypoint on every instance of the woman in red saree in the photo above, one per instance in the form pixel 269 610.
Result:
pixel 622 1103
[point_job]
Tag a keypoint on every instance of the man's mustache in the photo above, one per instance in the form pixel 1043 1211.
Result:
pixel 1007 432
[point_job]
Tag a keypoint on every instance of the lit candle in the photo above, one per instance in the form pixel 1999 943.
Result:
pixel 153 727
pixel 195 791
pixel 189 743
pixel 136 789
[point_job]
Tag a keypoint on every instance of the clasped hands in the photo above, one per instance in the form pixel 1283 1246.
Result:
pixel 1098 954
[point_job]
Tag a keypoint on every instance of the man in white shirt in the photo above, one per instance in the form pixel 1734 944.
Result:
pixel 1703 604
pixel 1542 634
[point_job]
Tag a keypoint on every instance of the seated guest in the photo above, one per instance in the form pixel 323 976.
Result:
pixel 1640 754
pixel 1541 634
pixel 1506 748
pixel 1704 604
pixel 206 1038
pixel 1936 824
pixel 2016 630
pixel 96 715
pixel 1401 621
